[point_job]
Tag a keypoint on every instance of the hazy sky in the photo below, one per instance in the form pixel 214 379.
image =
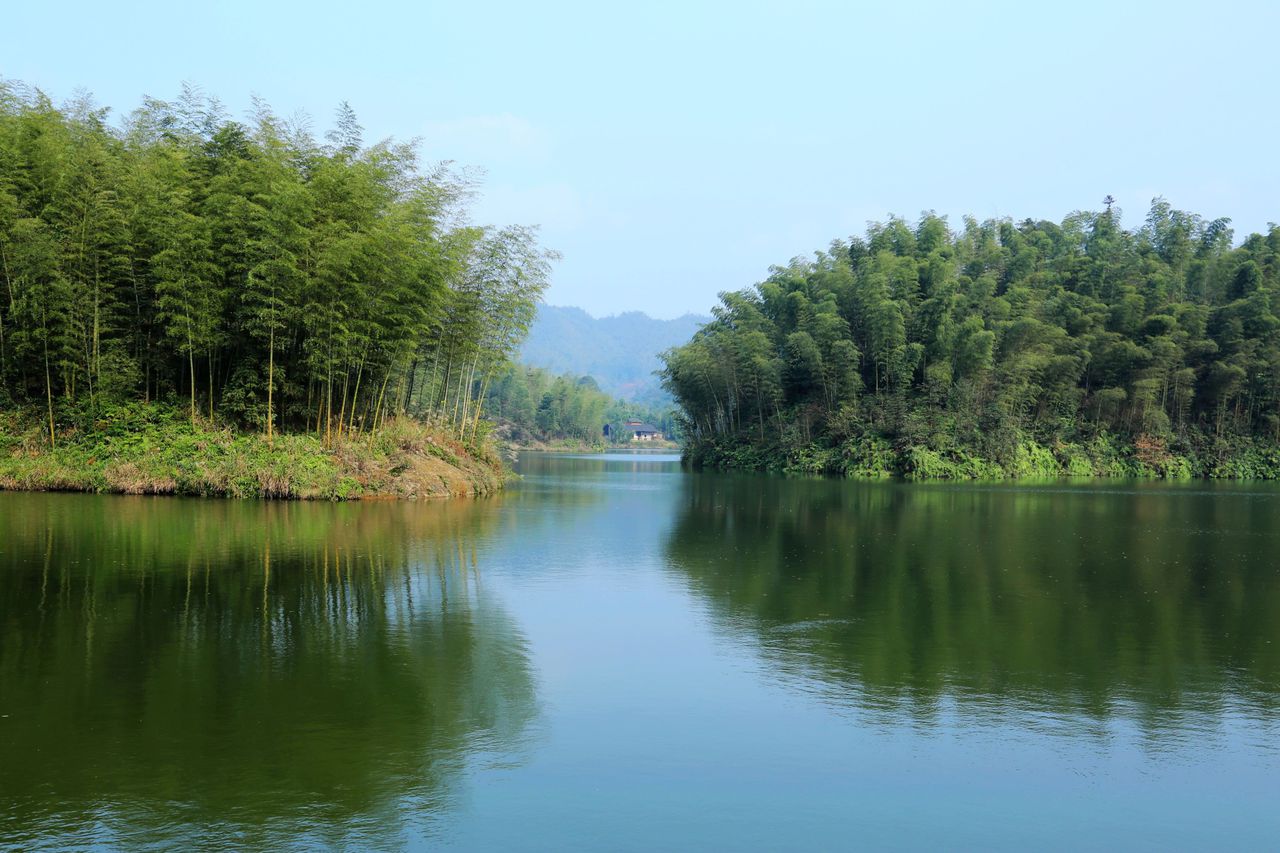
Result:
pixel 674 150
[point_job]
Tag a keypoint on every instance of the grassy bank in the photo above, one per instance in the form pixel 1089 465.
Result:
pixel 1103 455
pixel 154 449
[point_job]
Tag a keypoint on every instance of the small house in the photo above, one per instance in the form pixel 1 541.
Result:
pixel 641 431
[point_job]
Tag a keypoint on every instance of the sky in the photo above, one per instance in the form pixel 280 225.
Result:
pixel 671 151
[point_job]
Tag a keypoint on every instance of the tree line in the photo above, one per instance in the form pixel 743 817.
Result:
pixel 248 269
pixel 983 339
pixel 534 403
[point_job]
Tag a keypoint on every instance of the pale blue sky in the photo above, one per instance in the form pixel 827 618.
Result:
pixel 674 150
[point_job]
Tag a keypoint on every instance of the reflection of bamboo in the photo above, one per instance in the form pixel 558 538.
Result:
pixel 186 606
pixel 340 591
pixel 186 601
pixel 90 618
pixel 350 589
pixel 337 582
pixel 64 585
pixel 266 584
pixel 44 573
pixel 467 683
pixel 408 591
pixel 475 566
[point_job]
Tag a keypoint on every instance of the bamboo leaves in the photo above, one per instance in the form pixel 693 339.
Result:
pixel 246 269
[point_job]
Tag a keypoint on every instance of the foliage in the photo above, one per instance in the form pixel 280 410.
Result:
pixel 264 277
pixel 1002 350
pixel 534 405
pixel 150 448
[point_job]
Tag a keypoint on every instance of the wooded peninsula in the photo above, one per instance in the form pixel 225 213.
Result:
pixel 1003 349
pixel 202 305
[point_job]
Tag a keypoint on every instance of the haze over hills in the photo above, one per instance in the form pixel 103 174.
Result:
pixel 620 352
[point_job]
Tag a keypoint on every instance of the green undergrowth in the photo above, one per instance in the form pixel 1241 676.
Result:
pixel 1102 455
pixel 155 449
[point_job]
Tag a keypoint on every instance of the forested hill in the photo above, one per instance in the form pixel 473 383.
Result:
pixel 1002 348
pixel 620 352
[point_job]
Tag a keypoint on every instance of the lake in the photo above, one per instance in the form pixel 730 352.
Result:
pixel 618 654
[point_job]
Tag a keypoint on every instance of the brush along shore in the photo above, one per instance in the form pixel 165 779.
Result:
pixel 155 449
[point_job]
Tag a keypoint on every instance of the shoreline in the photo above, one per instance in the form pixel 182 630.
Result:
pixel 1103 457
pixel 155 450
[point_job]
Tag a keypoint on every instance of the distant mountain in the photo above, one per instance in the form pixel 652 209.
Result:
pixel 621 352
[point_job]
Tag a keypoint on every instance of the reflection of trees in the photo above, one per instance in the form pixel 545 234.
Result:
pixel 896 595
pixel 246 667
pixel 573 473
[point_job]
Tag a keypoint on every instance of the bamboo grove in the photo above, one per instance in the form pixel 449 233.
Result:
pixel 257 275
pixel 922 343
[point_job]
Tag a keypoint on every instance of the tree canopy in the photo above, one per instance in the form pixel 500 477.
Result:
pixel 928 342
pixel 257 273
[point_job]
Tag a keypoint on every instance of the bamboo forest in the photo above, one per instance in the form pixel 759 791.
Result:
pixel 248 269
pixel 414 437
pixel 999 349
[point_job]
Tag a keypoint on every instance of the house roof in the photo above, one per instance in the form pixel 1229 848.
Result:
pixel 639 427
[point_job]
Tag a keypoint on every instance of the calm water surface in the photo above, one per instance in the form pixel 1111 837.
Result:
pixel 616 654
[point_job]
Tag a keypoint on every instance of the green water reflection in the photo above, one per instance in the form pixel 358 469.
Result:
pixel 616 654
pixel 1144 601
pixel 193 671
